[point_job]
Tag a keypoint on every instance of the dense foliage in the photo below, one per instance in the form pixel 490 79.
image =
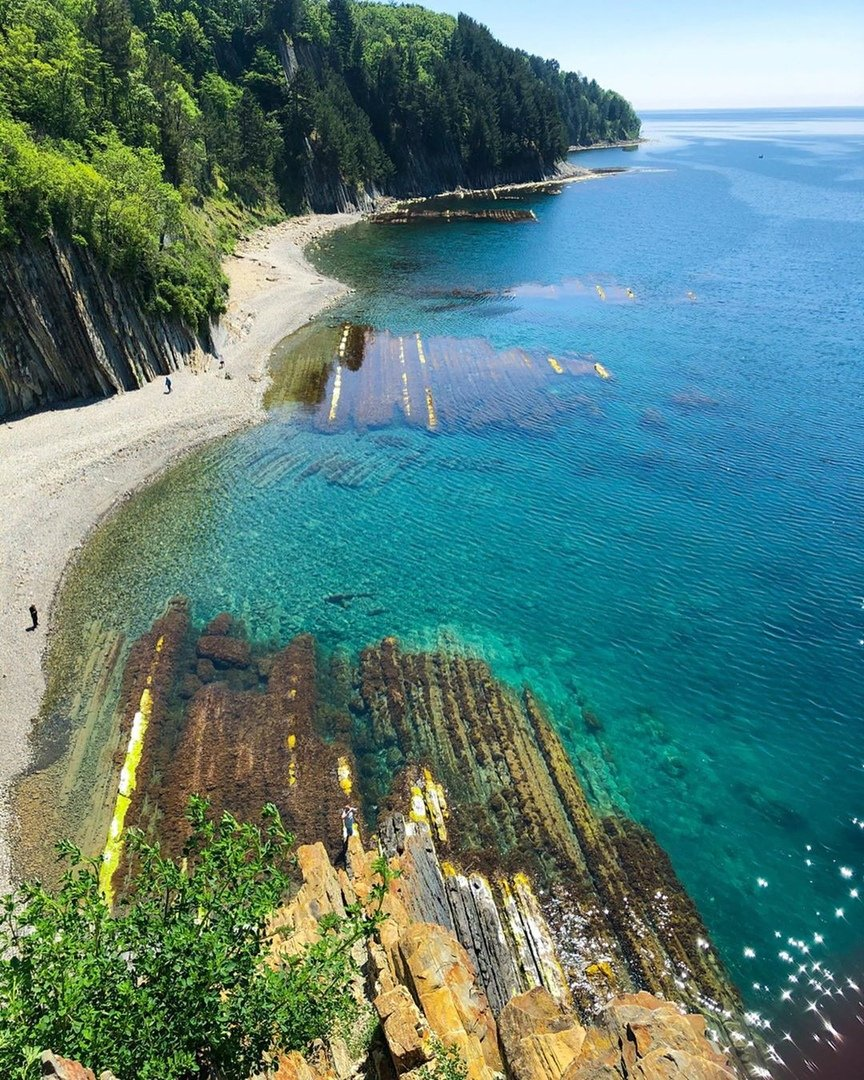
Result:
pixel 119 117
pixel 174 984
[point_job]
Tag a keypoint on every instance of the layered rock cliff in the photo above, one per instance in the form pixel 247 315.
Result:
pixel 539 937
pixel 70 329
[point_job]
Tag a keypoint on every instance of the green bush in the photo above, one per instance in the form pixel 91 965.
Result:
pixel 447 1063
pixel 173 984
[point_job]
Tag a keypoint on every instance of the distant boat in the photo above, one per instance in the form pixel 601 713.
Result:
pixel 602 372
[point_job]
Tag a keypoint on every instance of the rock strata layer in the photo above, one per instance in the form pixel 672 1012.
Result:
pixel 71 330
pixel 538 936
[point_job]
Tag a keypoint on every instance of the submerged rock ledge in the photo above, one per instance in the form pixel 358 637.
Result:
pixel 543 939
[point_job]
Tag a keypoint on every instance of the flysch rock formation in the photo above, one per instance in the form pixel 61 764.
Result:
pixel 540 938
pixel 70 330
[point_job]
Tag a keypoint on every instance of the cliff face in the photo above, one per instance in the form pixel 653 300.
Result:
pixel 424 988
pixel 69 329
pixel 541 938
pixel 423 172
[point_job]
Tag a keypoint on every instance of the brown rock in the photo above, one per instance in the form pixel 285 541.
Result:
pixel 405 1029
pixel 293 1066
pixel 296 926
pixel 224 651
pixel 437 968
pixel 191 684
pixel 222 624
pixel 63 1068
pixel 649 1039
pixel 540 1038
pixel 205 671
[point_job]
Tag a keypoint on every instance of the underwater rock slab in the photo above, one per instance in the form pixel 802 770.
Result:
pixel 359 378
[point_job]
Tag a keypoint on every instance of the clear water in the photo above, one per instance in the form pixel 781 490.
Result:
pixel 682 551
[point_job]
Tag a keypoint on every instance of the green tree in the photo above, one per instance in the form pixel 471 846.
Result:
pixel 109 27
pixel 175 983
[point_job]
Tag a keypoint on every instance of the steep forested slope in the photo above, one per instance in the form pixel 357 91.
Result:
pixel 142 128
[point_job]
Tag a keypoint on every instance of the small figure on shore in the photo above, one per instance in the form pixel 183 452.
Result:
pixel 34 615
pixel 221 365
pixel 348 821
pixel 167 384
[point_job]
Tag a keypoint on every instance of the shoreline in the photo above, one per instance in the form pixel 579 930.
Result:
pixel 62 471
pixel 565 173
pixel 615 144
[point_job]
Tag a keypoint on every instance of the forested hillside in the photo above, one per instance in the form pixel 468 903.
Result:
pixel 145 129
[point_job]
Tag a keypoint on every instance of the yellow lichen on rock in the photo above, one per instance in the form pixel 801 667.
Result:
pixel 343 773
pixel 418 804
pixel 436 804
pixel 531 938
pixel 126 787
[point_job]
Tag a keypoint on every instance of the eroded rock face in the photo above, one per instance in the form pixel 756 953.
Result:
pixel 294 1066
pixel 538 1036
pixel 405 1029
pixel 558 896
pixel 437 969
pixel 296 926
pixel 659 1042
pixel 69 329
pixel 639 1036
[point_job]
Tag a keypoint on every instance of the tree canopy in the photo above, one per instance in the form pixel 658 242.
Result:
pixel 129 123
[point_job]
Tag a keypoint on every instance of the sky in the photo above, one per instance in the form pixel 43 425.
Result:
pixel 666 54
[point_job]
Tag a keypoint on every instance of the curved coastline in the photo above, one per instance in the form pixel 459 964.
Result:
pixel 62 471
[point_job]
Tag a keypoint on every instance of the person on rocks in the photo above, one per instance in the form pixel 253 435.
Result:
pixel 34 615
pixel 348 822
pixel 167 384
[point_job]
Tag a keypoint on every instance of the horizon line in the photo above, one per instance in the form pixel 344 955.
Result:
pixel 742 108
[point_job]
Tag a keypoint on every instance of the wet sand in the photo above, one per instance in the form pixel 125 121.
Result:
pixel 62 470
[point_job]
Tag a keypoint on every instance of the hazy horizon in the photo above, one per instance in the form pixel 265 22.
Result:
pixel 679 54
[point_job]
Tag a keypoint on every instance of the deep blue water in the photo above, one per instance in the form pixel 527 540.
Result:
pixel 681 549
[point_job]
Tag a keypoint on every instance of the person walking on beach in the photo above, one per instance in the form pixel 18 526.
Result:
pixel 34 615
pixel 167 384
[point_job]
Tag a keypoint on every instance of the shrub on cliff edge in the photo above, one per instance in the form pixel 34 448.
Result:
pixel 174 983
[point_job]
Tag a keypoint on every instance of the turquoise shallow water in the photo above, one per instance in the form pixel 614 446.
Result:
pixel 681 550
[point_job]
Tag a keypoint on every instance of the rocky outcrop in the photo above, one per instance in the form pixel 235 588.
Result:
pixel 637 1036
pixel 524 925
pixel 426 994
pixel 425 989
pixel 64 1069
pixel 539 1036
pixel 69 329
pixel 645 1038
pixel 405 1029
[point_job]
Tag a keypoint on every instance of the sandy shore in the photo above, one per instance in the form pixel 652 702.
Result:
pixel 62 471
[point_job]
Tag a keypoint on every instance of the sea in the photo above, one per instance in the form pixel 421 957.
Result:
pixel 624 465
